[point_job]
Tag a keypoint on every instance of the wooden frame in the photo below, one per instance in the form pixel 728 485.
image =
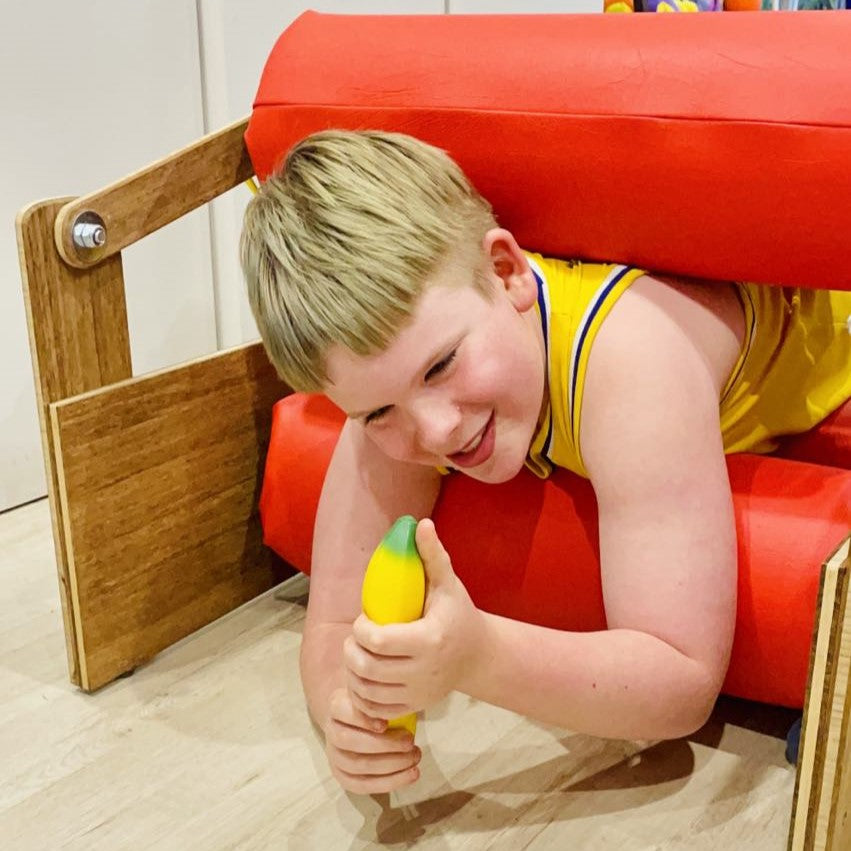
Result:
pixel 822 801
pixel 153 480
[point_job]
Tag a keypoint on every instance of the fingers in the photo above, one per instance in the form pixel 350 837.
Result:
pixel 362 759
pixel 375 764
pixel 346 738
pixel 371 784
pixel 343 711
pixel 377 700
pixel 377 685
pixel 437 563
pixel 381 653
pixel 377 708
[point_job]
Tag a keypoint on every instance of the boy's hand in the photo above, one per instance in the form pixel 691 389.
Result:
pixel 365 757
pixel 400 668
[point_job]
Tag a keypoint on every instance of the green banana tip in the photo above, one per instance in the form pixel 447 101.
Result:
pixel 401 537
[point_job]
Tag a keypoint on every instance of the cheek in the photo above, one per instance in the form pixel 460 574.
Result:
pixel 390 441
pixel 499 377
pixel 516 384
pixel 398 443
pixel 511 364
pixel 483 377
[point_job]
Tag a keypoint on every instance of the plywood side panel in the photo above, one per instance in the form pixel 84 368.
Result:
pixel 821 802
pixel 77 322
pixel 78 317
pixel 159 480
pixel 837 828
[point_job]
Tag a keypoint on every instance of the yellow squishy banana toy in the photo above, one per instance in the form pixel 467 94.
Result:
pixel 394 587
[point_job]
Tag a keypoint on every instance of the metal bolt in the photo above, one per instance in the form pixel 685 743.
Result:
pixel 88 235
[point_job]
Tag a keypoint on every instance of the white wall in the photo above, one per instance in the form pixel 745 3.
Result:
pixel 236 38
pixel 91 92
pixel 463 7
pixel 96 90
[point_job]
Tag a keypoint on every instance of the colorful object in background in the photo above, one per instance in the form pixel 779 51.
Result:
pixel 814 5
pixel 718 5
pixel 393 588
pixel 683 6
pixel 742 5
pixel 672 5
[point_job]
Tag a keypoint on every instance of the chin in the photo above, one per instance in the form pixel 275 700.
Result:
pixel 496 474
pixel 498 479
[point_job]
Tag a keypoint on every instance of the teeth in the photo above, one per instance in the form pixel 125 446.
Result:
pixel 475 445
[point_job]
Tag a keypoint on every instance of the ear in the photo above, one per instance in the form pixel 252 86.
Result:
pixel 509 264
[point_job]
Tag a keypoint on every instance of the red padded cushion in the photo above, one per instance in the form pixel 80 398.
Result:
pixel 529 550
pixel 708 145
pixel 828 444
pixel 693 144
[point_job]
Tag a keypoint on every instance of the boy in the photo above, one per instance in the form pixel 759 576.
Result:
pixel 378 276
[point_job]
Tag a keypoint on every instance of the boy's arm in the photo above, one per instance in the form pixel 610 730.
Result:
pixel 651 442
pixel 363 493
pixel 652 445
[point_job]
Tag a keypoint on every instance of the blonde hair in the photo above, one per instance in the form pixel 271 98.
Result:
pixel 337 246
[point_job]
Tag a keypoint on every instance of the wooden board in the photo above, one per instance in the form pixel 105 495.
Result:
pixel 822 799
pixel 159 479
pixel 79 341
pixel 157 195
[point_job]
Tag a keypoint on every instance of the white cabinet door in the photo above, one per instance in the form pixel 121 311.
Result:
pixel 236 38
pixel 523 7
pixel 92 91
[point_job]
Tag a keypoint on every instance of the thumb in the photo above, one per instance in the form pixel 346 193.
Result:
pixel 438 565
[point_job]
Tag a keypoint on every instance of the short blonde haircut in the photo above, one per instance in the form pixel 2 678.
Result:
pixel 338 245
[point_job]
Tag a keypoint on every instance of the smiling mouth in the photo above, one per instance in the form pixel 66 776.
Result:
pixel 479 449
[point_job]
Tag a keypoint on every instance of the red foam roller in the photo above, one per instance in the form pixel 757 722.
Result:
pixel 528 549
pixel 694 144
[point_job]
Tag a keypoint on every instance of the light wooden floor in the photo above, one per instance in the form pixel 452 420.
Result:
pixel 210 747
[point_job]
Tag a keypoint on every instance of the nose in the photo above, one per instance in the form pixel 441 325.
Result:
pixel 436 420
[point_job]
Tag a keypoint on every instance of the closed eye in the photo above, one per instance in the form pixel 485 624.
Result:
pixel 375 415
pixel 441 366
pixel 437 369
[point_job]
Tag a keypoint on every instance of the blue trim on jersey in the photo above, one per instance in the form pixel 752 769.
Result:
pixel 744 293
pixel 545 321
pixel 542 306
pixel 584 332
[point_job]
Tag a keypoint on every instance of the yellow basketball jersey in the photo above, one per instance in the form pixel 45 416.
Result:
pixel 794 368
pixel 795 365
pixel 574 299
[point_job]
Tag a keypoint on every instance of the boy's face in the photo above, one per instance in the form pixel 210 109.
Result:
pixel 462 385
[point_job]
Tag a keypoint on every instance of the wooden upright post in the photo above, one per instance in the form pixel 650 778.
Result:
pixel 77 321
pixel 153 480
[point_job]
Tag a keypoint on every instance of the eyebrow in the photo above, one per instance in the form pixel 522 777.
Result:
pixel 431 361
